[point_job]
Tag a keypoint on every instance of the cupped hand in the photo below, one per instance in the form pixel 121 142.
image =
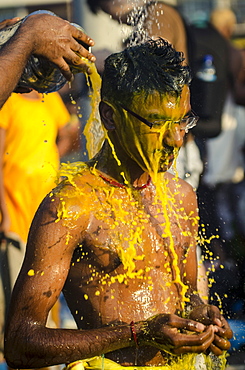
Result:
pixel 209 314
pixel 172 333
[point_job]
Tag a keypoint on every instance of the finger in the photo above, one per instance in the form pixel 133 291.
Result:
pixel 228 333
pixel 187 324
pixel 82 51
pixel 64 68
pixel 216 350
pixel 76 61
pixel 224 332
pixel 199 345
pixel 215 315
pixel 194 341
pixel 79 63
pixel 217 321
pixel 222 343
pixel 80 35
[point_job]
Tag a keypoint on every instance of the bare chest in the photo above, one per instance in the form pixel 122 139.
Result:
pixel 138 222
pixel 130 234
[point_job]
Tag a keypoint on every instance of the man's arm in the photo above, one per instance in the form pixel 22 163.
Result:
pixel 28 342
pixel 46 35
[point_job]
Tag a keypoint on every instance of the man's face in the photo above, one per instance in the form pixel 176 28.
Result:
pixel 154 149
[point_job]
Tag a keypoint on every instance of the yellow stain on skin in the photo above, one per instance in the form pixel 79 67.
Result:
pixel 125 245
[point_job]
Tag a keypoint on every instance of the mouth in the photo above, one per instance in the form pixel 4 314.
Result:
pixel 171 158
pixel 166 160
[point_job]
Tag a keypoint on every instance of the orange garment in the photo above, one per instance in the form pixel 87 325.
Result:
pixel 30 159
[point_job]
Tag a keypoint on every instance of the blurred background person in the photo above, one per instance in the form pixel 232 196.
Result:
pixel 144 19
pixel 222 188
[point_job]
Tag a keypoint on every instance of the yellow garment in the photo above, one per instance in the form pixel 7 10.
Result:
pixel 186 362
pixel 30 158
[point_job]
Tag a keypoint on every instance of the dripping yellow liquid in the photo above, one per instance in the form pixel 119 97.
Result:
pixel 69 212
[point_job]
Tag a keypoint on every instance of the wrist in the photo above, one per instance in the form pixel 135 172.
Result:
pixel 140 332
pixel 26 35
pixel 134 335
pixel 194 300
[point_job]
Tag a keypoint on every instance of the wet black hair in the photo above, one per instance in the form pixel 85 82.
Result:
pixel 145 68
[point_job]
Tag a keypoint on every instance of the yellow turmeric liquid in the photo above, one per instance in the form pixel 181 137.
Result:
pixel 95 136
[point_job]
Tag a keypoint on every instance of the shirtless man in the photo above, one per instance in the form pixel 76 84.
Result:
pixel 121 247
pixel 41 34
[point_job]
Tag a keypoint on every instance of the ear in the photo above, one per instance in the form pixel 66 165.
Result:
pixel 106 114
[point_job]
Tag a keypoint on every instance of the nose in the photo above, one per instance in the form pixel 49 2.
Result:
pixel 174 136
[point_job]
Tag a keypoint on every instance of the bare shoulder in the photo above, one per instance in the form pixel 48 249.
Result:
pixel 177 181
pixel 76 186
pixel 65 210
pixel 183 191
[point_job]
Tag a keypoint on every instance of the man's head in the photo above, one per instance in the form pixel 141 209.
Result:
pixel 142 70
pixel 150 80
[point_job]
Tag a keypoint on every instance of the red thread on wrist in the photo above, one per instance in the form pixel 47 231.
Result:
pixel 134 334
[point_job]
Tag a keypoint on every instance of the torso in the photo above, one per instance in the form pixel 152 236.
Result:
pixel 122 270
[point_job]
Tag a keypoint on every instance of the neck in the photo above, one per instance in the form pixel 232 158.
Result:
pixel 126 172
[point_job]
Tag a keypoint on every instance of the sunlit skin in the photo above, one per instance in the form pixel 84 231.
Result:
pixel 113 279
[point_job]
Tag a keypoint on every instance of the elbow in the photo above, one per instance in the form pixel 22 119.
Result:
pixel 17 351
pixel 12 353
pixel 11 357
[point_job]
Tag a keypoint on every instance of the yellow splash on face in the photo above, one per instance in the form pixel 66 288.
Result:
pixel 154 149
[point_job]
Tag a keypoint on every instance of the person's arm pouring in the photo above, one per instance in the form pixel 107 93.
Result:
pixel 46 35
